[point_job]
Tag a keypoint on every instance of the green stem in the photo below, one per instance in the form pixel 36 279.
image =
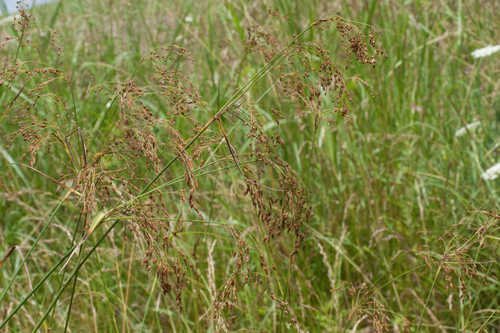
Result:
pixel 72 276
pixel 37 286
pixel 40 234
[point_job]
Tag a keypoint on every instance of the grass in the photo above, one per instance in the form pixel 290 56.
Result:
pixel 376 220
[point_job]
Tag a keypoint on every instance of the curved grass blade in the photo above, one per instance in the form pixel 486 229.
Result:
pixel 14 165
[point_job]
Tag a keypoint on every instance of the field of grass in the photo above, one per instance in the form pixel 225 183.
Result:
pixel 252 166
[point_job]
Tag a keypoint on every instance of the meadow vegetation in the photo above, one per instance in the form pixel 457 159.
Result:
pixel 253 166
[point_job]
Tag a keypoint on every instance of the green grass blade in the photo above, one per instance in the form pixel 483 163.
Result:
pixel 14 165
pixel 35 288
pixel 72 276
pixel 27 256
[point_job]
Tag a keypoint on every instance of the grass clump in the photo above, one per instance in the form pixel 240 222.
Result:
pixel 247 166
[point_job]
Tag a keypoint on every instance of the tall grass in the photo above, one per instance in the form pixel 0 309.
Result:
pixel 224 166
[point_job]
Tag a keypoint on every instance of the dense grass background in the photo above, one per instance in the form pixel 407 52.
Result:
pixel 404 234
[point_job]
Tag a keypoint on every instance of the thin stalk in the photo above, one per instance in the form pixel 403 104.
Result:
pixel 68 314
pixel 73 275
pixel 37 286
pixel 40 234
pixel 148 302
